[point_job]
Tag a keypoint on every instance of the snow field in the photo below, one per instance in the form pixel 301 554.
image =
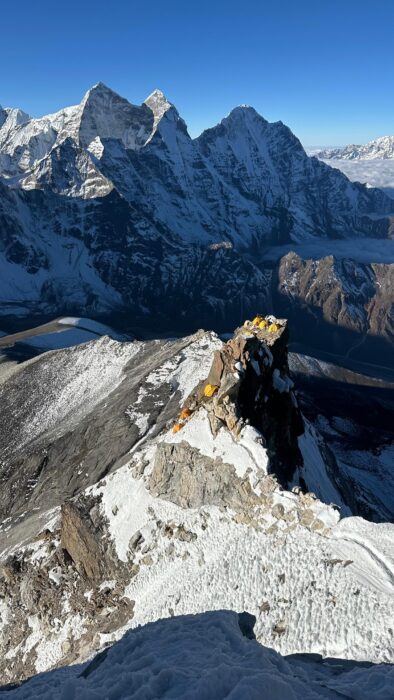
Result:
pixel 316 604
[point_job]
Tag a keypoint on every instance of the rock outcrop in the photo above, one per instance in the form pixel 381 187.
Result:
pixel 184 476
pixel 76 563
pixel 252 386
pixel 79 540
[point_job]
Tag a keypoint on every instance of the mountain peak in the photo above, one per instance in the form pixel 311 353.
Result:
pixel 244 112
pixel 157 97
pixel 159 105
pixel 97 91
pixel 10 118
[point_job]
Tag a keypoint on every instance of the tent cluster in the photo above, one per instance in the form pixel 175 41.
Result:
pixel 182 418
pixel 262 323
pixel 208 389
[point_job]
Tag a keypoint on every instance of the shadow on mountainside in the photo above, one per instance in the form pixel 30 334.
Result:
pixel 311 334
pixel 356 422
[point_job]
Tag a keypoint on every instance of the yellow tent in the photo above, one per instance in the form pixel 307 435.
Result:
pixel 273 328
pixel 210 390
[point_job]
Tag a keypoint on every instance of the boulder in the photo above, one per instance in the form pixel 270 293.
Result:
pixel 79 539
pixel 183 475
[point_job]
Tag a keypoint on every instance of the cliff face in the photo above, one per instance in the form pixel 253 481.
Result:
pixel 339 305
pixel 253 387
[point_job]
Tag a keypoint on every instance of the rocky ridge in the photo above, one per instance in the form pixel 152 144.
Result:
pixel 184 512
pixel 344 305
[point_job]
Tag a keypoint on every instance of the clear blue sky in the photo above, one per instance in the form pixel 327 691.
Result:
pixel 324 67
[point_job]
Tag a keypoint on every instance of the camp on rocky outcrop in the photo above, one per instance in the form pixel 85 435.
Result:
pixel 249 384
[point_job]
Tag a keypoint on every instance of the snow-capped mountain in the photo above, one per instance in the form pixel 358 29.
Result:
pixel 110 208
pixel 160 479
pixel 96 195
pixel 378 149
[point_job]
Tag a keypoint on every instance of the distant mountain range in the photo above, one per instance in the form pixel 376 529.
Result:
pixel 381 149
pixel 110 208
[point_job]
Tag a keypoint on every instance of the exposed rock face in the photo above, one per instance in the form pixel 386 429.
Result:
pixel 184 476
pixel 341 306
pixel 251 374
pixel 77 564
pixel 247 384
pixel 79 540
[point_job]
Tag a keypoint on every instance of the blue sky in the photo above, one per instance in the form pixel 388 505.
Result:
pixel 325 67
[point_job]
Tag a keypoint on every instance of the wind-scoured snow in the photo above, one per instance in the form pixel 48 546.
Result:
pixel 325 602
pixel 246 454
pixel 71 388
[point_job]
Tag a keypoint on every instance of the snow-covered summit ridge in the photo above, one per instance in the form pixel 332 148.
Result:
pixel 101 114
pixel 315 583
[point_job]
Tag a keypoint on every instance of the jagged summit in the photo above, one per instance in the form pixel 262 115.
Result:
pixel 10 119
pixel 157 97
pixel 100 91
pixel 163 108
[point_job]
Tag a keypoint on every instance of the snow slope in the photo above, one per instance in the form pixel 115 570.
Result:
pixel 328 608
pixel 70 389
pixel 72 331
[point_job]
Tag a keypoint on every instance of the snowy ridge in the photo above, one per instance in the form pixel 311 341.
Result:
pixel 316 583
pixel 371 163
